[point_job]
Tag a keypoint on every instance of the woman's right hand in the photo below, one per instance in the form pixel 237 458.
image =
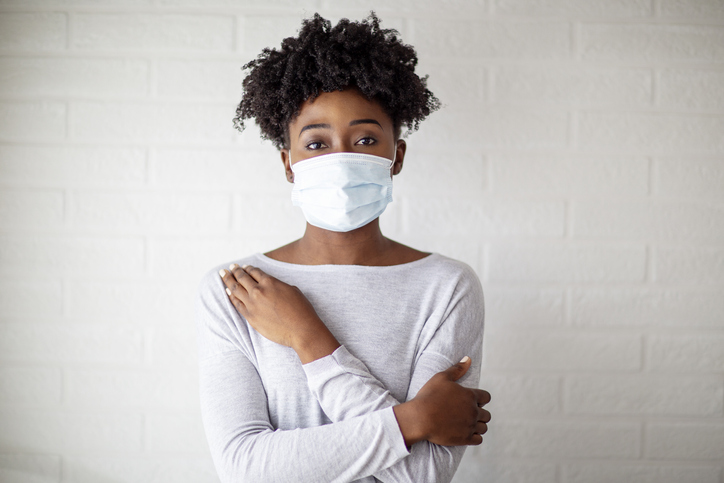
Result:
pixel 444 412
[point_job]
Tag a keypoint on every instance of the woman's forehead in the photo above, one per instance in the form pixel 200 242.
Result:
pixel 347 104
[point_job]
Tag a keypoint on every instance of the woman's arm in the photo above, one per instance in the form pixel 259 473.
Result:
pixel 345 388
pixel 336 379
pixel 243 442
pixel 245 446
pixel 281 313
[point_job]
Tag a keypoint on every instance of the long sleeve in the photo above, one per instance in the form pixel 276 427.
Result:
pixel 346 389
pixel 245 447
pixel 269 418
pixel 243 442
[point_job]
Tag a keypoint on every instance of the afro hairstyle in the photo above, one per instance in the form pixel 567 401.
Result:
pixel 323 58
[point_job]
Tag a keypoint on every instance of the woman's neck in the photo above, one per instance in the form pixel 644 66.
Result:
pixel 363 246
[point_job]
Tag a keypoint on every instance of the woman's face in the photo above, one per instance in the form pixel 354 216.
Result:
pixel 342 121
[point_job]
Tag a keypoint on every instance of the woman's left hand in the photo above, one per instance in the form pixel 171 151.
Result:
pixel 278 311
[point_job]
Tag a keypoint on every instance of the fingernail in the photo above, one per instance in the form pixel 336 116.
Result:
pixel 228 292
pixel 233 266
pixel 464 360
pixel 245 267
pixel 222 272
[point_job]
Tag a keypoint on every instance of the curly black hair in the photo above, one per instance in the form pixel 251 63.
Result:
pixel 324 59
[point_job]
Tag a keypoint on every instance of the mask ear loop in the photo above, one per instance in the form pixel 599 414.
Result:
pixel 290 173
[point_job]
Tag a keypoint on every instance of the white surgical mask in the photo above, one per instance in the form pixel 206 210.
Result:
pixel 342 191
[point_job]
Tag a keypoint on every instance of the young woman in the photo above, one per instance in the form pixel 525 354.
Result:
pixel 335 357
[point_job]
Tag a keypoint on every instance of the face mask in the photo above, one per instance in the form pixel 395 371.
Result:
pixel 342 191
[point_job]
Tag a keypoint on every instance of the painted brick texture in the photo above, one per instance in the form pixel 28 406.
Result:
pixel 577 166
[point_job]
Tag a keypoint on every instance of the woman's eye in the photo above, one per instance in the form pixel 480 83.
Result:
pixel 315 145
pixel 367 141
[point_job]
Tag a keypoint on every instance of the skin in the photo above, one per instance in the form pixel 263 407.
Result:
pixel 443 412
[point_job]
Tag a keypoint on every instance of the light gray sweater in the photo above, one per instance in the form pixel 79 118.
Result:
pixel 268 418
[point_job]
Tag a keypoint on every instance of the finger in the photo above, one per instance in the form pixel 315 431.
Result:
pixel 481 428
pixel 242 277
pixel 475 439
pixel 458 370
pixel 232 285
pixel 483 397
pixel 228 278
pixel 229 281
pixel 483 415
pixel 238 304
pixel 256 273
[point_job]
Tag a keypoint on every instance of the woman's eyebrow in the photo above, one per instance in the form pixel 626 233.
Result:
pixel 327 126
pixel 365 121
pixel 314 126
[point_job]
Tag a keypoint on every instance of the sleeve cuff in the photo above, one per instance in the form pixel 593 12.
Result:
pixel 392 427
pixel 338 362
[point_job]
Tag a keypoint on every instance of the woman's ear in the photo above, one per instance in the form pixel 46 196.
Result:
pixel 399 156
pixel 287 164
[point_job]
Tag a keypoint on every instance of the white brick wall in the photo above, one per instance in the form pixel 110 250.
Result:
pixel 578 166
pixel 33 32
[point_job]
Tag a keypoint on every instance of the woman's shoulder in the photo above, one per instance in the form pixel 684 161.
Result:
pixel 408 256
pixel 448 275
pixel 449 266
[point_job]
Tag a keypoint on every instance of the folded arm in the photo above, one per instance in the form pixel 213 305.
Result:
pixel 245 446
pixel 346 391
pixel 345 388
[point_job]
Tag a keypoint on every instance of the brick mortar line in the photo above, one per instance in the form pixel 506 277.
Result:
pixel 475 61
pixel 413 13
pixel 643 332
